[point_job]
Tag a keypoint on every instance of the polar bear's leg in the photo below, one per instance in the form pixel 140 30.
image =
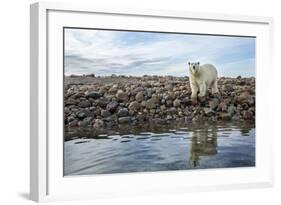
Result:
pixel 215 87
pixel 202 90
pixel 194 90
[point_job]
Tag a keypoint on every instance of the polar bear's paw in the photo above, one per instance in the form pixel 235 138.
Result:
pixel 202 98
pixel 194 101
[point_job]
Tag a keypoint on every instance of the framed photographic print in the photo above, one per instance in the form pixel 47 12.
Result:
pixel 127 102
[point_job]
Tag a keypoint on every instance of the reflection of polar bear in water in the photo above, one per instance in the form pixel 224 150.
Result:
pixel 201 78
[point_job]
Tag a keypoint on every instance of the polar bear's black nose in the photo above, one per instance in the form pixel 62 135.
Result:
pixel 193 67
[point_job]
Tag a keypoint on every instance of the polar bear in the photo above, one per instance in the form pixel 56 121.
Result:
pixel 201 78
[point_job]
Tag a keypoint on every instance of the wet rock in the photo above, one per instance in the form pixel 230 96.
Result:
pixel 140 117
pixel 247 115
pixel 197 119
pixel 236 117
pixel 85 123
pixel 123 112
pixel 225 116
pixel 93 94
pixel 231 110
pixel 123 120
pixel 78 95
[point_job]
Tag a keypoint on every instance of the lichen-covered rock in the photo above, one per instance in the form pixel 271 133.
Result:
pixel 98 124
pixel 134 106
pixel 122 96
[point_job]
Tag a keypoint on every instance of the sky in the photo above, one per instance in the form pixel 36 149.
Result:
pixel 106 52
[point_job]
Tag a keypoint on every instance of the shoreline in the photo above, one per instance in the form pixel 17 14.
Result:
pixel 106 102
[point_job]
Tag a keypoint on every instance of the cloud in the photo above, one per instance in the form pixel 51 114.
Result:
pixel 137 53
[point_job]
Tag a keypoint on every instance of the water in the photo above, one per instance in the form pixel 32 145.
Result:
pixel 180 147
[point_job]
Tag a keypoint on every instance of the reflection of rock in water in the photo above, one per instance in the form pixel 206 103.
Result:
pixel 203 143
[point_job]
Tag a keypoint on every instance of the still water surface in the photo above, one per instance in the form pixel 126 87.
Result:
pixel 181 147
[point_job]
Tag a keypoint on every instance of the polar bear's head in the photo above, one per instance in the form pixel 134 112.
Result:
pixel 194 67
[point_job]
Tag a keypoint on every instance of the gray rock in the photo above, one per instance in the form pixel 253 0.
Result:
pixel 84 104
pixel 177 103
pixel 102 102
pixel 71 101
pixel 81 115
pixel 73 123
pixel 225 116
pixel 112 106
pixel 98 124
pixel 70 118
pixel 123 120
pixel 246 97
pixel 87 120
pixel 208 111
pixel 247 115
pixel 105 113
pixel 113 90
pixel 150 104
pixel 123 112
pixel 169 117
pixel 78 95
pixel 162 107
pixel 122 96
pixel 93 94
pixel 135 106
pixel 139 96
pixel 140 117
pixel 231 110
pixel 236 117
pixel 213 104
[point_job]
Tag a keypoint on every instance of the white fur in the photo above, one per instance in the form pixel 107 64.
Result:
pixel 201 78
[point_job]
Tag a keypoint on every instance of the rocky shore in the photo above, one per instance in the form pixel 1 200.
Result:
pixel 104 102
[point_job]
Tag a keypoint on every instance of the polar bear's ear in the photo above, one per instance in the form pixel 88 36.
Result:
pixel 198 63
pixel 188 63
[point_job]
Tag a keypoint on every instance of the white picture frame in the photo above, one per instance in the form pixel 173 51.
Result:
pixel 46 179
